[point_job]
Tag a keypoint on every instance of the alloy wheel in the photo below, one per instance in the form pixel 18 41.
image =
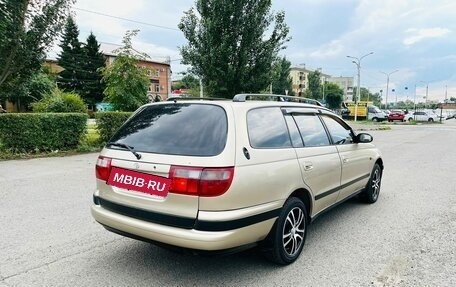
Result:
pixel 293 231
pixel 376 180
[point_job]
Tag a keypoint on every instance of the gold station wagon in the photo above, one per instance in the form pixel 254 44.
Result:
pixel 226 175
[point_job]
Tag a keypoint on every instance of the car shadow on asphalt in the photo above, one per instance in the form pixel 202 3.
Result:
pixel 152 262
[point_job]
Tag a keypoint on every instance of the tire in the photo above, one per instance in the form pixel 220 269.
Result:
pixel 286 239
pixel 372 189
pixel 374 119
pixel 410 119
pixel 430 120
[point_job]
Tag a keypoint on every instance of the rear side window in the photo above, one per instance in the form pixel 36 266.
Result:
pixel 267 128
pixel 177 128
pixel 312 131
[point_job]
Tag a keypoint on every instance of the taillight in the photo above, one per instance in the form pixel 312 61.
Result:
pixel 200 181
pixel 102 168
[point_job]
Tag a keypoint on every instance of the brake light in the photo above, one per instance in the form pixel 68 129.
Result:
pixel 206 182
pixel 103 168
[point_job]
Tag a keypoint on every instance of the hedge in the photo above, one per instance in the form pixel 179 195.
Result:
pixel 41 131
pixel 109 122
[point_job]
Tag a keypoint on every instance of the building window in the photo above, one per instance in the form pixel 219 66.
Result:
pixel 157 88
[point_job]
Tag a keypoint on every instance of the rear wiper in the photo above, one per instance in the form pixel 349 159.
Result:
pixel 130 148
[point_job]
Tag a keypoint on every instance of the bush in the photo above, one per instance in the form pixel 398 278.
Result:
pixel 41 132
pixel 109 122
pixel 60 102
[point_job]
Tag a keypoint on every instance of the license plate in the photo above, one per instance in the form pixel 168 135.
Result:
pixel 139 182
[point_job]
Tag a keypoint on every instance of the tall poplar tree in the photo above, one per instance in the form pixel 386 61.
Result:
pixel 315 86
pixel 281 80
pixel 232 44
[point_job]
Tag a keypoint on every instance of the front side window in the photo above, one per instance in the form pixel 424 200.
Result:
pixel 312 131
pixel 267 128
pixel 178 129
pixel 339 133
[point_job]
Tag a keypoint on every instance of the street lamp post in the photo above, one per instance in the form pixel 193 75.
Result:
pixel 427 90
pixel 387 84
pixel 358 65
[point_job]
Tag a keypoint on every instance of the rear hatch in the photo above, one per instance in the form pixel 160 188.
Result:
pixel 164 158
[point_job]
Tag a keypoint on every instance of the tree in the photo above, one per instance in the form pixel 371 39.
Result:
pixel 307 94
pixel 315 85
pixel 27 30
pixel 366 95
pixel 188 82
pixel 126 83
pixel 40 84
pixel 231 45
pixel 334 95
pixel 92 89
pixel 281 80
pixel 71 59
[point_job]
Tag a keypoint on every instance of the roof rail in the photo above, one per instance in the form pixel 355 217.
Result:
pixel 272 97
pixel 178 98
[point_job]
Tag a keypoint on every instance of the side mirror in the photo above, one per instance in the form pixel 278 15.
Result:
pixel 364 138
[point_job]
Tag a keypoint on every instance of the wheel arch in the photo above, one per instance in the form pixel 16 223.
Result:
pixel 379 161
pixel 305 196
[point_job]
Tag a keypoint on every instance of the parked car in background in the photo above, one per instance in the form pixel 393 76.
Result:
pixel 375 114
pixel 421 116
pixel 228 175
pixel 444 115
pixel 396 115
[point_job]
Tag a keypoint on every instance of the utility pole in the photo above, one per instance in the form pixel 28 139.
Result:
pixel 358 65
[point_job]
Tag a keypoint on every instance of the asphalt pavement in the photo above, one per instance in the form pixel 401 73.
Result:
pixel 407 238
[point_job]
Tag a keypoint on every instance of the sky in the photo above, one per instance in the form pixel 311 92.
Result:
pixel 415 37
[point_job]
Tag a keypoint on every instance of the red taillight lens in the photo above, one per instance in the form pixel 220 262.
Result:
pixel 200 181
pixel 184 180
pixel 103 168
pixel 215 182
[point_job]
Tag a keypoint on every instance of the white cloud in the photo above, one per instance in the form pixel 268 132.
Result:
pixel 333 49
pixel 422 34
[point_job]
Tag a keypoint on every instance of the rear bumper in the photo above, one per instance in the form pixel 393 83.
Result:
pixel 254 229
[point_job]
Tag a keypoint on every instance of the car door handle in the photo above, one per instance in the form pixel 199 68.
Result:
pixel 308 166
pixel 345 160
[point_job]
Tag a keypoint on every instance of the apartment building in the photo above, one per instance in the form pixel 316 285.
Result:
pixel 346 84
pixel 300 82
pixel 299 77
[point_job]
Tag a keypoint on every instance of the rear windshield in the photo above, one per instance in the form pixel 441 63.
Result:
pixel 176 128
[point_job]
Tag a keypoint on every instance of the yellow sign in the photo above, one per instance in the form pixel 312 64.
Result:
pixel 362 108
